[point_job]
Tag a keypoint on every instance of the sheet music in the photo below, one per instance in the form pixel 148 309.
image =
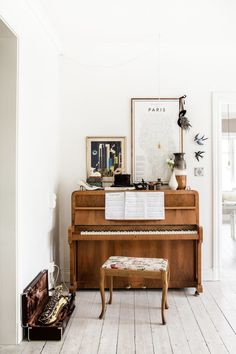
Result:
pixel 135 206
pixel 147 206
pixel 114 203
pixel 155 205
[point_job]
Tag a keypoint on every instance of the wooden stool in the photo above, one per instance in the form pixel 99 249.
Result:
pixel 154 268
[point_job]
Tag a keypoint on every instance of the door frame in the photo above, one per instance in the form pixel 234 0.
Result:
pixel 14 326
pixel 218 98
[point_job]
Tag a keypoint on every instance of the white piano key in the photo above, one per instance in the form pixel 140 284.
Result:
pixel 139 232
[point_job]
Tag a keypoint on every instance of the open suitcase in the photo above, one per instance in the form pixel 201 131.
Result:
pixel 34 299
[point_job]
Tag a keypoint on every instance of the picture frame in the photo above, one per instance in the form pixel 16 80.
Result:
pixel 155 136
pixel 105 156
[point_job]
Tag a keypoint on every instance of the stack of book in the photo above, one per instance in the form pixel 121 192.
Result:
pixel 94 181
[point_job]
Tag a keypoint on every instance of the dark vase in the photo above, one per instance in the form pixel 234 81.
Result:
pixel 180 169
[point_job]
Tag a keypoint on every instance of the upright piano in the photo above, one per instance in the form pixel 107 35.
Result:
pixel 92 239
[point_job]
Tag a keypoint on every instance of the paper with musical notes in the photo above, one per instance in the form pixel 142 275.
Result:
pixel 135 206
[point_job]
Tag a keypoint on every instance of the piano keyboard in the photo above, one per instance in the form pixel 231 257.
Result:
pixel 140 232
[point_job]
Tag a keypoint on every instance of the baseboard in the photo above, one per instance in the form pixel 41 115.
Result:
pixel 210 274
pixel 66 273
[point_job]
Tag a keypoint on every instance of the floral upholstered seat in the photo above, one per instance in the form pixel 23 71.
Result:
pixel 135 263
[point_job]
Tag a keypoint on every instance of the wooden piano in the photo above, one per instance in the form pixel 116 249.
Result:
pixel 93 239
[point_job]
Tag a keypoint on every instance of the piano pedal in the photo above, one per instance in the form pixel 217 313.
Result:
pixel 144 287
pixel 128 287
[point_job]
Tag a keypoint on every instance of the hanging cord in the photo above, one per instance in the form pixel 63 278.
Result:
pixel 159 65
pixel 181 109
pixel 56 278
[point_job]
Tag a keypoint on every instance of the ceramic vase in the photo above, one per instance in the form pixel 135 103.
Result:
pixel 173 184
pixel 180 170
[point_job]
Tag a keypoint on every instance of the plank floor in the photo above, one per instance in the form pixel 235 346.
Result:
pixel 228 259
pixel 132 324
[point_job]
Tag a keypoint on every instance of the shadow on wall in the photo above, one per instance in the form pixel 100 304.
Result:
pixel 53 234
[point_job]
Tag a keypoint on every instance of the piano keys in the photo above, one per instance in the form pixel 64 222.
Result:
pixel 93 239
pixel 142 232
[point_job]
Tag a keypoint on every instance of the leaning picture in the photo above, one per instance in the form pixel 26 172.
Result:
pixel 155 136
pixel 105 156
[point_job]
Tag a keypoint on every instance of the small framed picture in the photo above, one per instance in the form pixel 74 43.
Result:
pixel 105 155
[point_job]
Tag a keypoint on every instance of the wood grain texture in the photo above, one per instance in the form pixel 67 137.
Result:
pixel 89 252
pixel 203 324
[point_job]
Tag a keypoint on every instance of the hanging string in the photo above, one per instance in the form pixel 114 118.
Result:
pixel 159 65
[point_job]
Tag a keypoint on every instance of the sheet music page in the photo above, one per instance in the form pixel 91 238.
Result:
pixel 144 206
pixel 135 205
pixel 114 206
pixel 155 206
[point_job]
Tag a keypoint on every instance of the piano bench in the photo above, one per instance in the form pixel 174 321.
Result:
pixel 117 266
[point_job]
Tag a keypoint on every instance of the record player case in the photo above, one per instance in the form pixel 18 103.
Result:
pixel 34 298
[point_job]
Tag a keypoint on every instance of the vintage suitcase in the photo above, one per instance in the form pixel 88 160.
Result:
pixel 34 299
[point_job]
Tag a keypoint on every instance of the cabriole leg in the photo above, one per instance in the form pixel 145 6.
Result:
pixel 111 289
pixel 102 291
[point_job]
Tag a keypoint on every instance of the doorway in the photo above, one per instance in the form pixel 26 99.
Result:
pixel 224 185
pixel 228 177
pixel 8 186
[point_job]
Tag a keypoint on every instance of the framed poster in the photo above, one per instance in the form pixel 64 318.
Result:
pixel 105 155
pixel 155 137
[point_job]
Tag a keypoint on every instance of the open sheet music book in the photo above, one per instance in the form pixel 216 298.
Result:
pixel 134 206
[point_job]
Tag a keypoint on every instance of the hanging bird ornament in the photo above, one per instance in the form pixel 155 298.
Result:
pixel 183 121
pixel 199 154
pixel 200 140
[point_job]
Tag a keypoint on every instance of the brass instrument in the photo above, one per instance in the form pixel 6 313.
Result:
pixel 56 303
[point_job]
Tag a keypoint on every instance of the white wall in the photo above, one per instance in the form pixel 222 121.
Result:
pixel 112 53
pixel 8 64
pixel 37 142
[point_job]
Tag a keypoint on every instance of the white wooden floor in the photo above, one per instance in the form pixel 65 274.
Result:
pixel 132 324
pixel 228 258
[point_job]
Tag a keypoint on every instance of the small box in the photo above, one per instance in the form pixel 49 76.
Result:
pixel 33 300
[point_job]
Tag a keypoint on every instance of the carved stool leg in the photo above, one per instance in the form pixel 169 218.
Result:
pixel 164 294
pixel 111 289
pixel 168 280
pixel 102 291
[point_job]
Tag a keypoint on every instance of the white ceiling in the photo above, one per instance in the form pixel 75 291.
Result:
pixel 137 20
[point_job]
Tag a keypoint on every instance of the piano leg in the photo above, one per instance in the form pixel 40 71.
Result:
pixel 199 288
pixel 111 289
pixel 73 262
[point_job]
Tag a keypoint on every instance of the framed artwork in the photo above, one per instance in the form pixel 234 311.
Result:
pixel 155 136
pixel 105 155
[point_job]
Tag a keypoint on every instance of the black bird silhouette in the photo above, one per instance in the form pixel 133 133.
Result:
pixel 199 140
pixel 198 154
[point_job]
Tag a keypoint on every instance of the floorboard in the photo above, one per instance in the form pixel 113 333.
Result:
pixel 196 341
pixel 212 338
pixel 132 324
pixel 143 332
pixel 126 335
